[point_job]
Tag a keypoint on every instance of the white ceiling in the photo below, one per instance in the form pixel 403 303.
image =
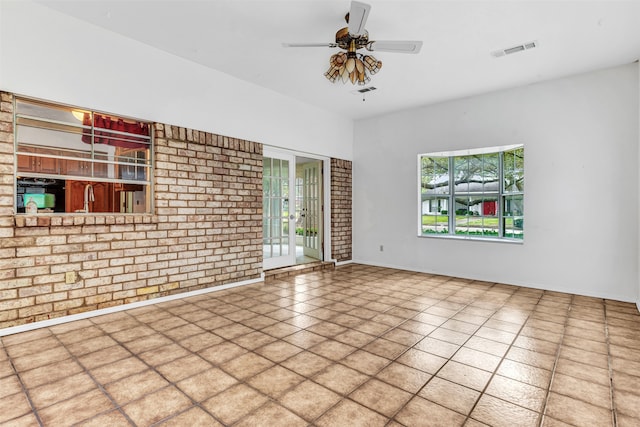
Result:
pixel 244 39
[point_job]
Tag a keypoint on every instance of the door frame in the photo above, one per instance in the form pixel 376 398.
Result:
pixel 326 194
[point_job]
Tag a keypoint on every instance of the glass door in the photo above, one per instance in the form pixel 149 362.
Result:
pixel 311 211
pixel 278 209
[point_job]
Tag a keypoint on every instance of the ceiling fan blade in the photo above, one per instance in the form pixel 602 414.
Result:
pixel 309 45
pixel 398 46
pixel 358 17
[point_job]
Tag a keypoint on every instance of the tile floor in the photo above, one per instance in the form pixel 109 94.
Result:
pixel 358 346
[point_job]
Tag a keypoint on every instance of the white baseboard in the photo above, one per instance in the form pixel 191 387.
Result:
pixel 93 313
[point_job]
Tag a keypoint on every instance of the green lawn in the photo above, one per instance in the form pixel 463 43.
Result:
pixel 473 221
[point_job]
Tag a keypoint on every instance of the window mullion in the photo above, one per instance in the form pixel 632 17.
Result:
pixel 452 198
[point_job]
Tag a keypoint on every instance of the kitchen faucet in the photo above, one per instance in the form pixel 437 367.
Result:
pixel 88 196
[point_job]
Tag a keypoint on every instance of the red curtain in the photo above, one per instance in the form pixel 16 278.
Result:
pixel 104 127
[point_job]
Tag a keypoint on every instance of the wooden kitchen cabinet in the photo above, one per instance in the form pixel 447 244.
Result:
pixel 37 164
pixel 102 191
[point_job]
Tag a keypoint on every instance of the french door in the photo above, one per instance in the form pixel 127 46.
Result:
pixel 311 211
pixel 278 210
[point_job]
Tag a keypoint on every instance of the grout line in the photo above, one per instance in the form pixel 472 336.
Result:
pixel 614 409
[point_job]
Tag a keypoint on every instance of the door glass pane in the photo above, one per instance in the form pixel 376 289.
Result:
pixel 275 208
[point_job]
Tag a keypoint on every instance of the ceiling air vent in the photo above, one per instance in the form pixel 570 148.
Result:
pixel 363 90
pixel 514 49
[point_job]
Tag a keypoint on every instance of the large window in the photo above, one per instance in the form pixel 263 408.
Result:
pixel 473 193
pixel 78 161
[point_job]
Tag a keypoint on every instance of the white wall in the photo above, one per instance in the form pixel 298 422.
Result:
pixel 49 55
pixel 581 188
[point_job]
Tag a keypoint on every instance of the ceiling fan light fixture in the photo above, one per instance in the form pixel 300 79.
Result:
pixel 353 67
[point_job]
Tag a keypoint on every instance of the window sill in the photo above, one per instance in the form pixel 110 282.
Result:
pixel 477 238
pixel 65 220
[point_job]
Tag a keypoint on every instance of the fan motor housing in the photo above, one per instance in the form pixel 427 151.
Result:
pixel 343 39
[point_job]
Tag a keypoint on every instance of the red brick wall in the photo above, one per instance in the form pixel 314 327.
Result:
pixel 341 211
pixel 206 230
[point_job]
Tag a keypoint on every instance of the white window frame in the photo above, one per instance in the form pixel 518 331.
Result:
pixel 504 234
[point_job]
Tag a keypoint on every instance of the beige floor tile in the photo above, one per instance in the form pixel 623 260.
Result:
pixel 220 353
pixel 350 414
pixel 234 403
pixel 157 406
pixel 417 327
pixel 309 400
pixel 6 368
pixel 43 358
pixel 253 340
pixel 450 395
pixel 280 330
pixel 583 356
pixel 306 363
pixel 385 348
pixel 402 336
pixel 76 409
pixel 628 403
pixel 498 335
pixel 626 366
pixel 437 347
pixel 104 356
pixel 340 379
pixel 70 386
pixel 486 345
pixel 498 413
pixel 326 329
pixel 577 412
pixel 135 386
pixel 119 369
pixel 194 417
pixel 278 351
pixel 354 338
pixel 206 384
pixel 43 336
pixel 421 360
pixel 404 377
pixel 150 342
pixel 422 412
pixel 232 330
pixel 331 349
pixel 626 382
pixel 517 392
pixel 583 372
pixel 525 373
pixel 465 375
pixel 246 365
pixel 13 406
pixel 80 334
pixel 450 336
pixel 269 414
pixel 183 367
pixel 477 359
pixel 381 397
pixel 590 392
pixel 10 385
pixel 275 381
pixel 113 418
pixel 533 358
pixel 50 373
pixel 365 362
pixel 131 334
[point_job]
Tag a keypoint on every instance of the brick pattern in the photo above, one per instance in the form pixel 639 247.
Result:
pixel 206 231
pixel 341 210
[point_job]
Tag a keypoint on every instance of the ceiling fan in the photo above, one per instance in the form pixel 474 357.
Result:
pixel 352 65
